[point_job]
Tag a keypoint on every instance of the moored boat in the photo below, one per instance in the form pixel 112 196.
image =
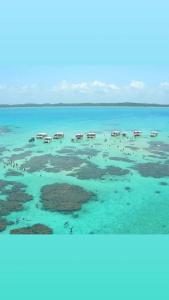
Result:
pixel 115 133
pixel 137 133
pixel 153 133
pixel 41 135
pixel 58 135
pixel 79 136
pixel 47 140
pixel 91 135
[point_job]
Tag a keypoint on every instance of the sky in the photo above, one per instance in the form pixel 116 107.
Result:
pixel 84 51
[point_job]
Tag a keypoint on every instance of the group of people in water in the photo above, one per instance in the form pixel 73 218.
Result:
pixel 67 224
pixel 118 146
pixel 14 165
pixel 69 227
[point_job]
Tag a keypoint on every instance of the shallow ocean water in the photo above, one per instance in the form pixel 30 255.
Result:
pixel 127 178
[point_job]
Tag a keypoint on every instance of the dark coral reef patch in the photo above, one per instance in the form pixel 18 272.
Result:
pixel 52 163
pixel 73 151
pixel 158 145
pixel 132 147
pixel 13 173
pixel 156 170
pixel 163 183
pixel 18 149
pixel 159 148
pixel 92 171
pixel 5 129
pixel 64 197
pixel 2 149
pixel 15 197
pixel 35 229
pixel 20 156
pixel 3 224
pixel 124 159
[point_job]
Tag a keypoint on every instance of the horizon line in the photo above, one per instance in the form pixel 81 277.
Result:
pixel 45 104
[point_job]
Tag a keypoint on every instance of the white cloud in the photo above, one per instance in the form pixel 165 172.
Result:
pixel 136 84
pixel 164 84
pixel 103 85
pixel 69 86
pixel 26 87
pixel 85 91
pixel 90 86
pixel 23 88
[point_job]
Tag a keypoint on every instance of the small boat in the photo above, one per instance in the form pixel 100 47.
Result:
pixel 137 133
pixel 47 140
pixel 91 135
pixel 153 133
pixel 115 133
pixel 58 135
pixel 41 135
pixel 79 136
pixel 31 140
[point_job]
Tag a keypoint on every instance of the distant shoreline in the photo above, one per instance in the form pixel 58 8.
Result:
pixel 124 104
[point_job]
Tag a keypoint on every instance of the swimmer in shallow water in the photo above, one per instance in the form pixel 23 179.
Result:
pixel 17 221
pixel 66 224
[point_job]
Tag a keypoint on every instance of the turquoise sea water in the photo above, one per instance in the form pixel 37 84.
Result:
pixel 127 178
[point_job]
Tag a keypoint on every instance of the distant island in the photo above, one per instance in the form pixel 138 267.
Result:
pixel 126 104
